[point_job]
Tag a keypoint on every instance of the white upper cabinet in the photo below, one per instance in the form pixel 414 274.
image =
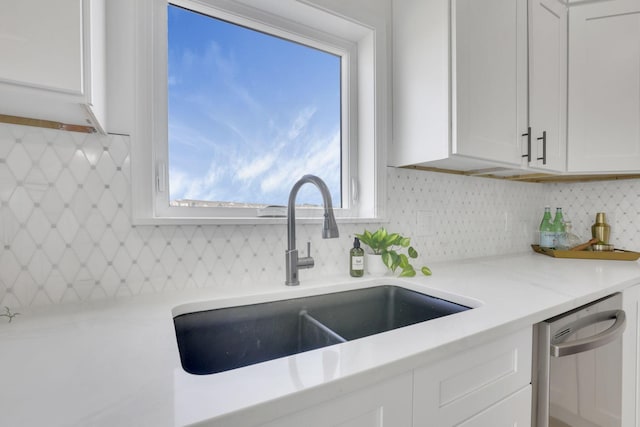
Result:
pixel 421 72
pixel 41 42
pixel 459 83
pixel 53 60
pixel 604 87
pixel 490 80
pixel 548 84
pixel 480 84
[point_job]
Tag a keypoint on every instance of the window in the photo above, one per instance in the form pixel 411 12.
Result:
pixel 243 101
pixel 248 114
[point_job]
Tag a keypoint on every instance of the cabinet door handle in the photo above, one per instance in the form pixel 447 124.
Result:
pixel 528 135
pixel 543 138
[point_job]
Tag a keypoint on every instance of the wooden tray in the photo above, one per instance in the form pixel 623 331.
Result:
pixel 617 254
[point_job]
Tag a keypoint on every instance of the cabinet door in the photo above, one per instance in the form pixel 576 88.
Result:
pixel 514 411
pixel 458 388
pixel 387 404
pixel 631 358
pixel 548 84
pixel 604 88
pixel 41 44
pixel 421 72
pixel 53 63
pixel 489 90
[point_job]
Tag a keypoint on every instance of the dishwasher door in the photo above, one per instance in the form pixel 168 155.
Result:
pixel 578 367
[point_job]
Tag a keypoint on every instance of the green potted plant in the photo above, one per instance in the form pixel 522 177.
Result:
pixel 390 247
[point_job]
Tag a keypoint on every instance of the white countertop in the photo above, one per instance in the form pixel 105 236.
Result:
pixel 116 362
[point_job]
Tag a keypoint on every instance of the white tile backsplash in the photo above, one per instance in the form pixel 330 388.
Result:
pixel 620 200
pixel 66 234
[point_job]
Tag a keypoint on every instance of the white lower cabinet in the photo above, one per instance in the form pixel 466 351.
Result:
pixel 631 358
pixel 514 411
pixel 386 404
pixel 452 392
pixel 485 386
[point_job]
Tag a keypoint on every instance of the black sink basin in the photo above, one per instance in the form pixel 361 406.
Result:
pixel 364 312
pixel 228 338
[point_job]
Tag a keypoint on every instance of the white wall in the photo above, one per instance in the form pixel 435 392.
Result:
pixel 66 234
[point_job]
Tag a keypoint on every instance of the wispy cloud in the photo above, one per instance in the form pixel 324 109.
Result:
pixel 265 177
pixel 255 167
pixel 225 68
pixel 207 188
pixel 188 186
pixel 321 156
pixel 301 122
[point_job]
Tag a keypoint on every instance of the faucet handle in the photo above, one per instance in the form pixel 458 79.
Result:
pixel 306 262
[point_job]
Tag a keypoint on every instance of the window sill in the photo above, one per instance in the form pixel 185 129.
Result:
pixel 251 221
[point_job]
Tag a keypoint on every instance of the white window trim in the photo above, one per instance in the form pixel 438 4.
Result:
pixel 367 120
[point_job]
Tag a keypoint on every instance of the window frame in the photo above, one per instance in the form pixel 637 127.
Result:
pixel 363 159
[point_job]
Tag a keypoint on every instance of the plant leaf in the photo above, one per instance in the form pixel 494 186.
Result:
pixel 404 242
pixel 391 239
pixel 364 237
pixel 412 252
pixel 370 238
pixel 386 259
pixel 395 258
pixel 404 262
pixel 426 271
pixel 408 272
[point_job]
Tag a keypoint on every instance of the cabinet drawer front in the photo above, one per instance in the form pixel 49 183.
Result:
pixel 514 411
pixel 463 385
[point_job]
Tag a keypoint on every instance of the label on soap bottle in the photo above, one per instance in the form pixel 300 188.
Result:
pixel 357 263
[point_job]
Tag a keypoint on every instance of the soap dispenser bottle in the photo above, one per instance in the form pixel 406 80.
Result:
pixel 356 259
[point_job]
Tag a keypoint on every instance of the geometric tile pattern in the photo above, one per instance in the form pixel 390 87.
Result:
pixel 453 216
pixel 66 233
pixel 620 200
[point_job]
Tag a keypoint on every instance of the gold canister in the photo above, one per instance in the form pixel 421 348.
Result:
pixel 601 230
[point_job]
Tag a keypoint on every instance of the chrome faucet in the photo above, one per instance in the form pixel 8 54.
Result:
pixel 329 228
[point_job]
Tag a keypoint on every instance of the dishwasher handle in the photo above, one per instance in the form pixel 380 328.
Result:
pixel 560 348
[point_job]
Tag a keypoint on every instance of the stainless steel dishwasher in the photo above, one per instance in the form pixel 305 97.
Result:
pixel 577 377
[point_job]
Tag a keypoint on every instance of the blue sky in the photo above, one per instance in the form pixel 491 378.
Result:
pixel 249 114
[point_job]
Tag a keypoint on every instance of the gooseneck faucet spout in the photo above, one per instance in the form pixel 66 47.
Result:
pixel 329 228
